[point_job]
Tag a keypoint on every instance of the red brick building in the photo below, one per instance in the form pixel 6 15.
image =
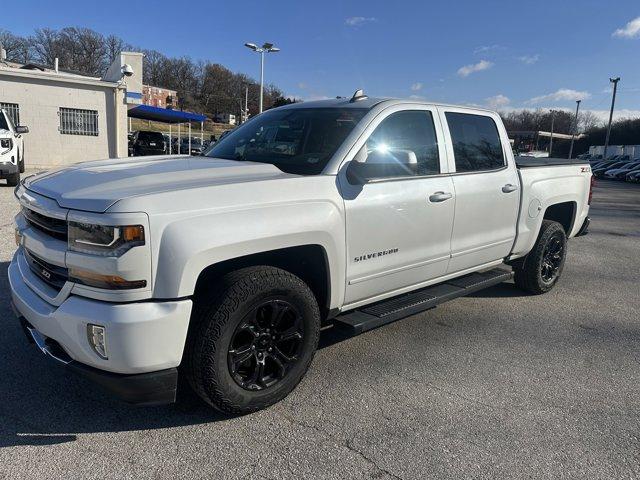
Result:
pixel 159 97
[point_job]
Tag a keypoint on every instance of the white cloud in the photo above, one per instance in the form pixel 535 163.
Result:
pixel 358 21
pixel 563 94
pixel 416 97
pixel 416 87
pixel 302 85
pixel 487 49
pixel 529 59
pixel 497 101
pixel 474 67
pixel 630 30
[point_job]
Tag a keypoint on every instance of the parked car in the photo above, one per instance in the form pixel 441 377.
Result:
pixel 147 143
pixel 196 146
pixel 600 170
pixel 223 270
pixel 620 172
pixel 11 149
pixel 633 177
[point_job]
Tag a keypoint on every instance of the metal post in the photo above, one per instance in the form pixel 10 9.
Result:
pixel 613 102
pixel 201 133
pixel 189 152
pixel 170 139
pixel 553 118
pixel 246 103
pixel 261 79
pixel 575 129
pixel 179 139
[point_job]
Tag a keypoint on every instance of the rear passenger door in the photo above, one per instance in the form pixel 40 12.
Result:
pixel 486 187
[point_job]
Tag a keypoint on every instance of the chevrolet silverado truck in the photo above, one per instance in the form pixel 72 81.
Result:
pixel 11 149
pixel 222 269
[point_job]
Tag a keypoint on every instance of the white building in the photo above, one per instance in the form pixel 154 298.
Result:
pixel 71 117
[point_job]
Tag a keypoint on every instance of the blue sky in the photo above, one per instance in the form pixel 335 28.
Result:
pixel 492 53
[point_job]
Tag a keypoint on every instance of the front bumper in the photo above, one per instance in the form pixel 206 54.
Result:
pixel 145 340
pixel 154 388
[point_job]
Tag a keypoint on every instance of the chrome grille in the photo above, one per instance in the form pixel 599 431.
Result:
pixel 54 227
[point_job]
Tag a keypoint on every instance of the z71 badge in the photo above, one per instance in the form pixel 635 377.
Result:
pixel 585 169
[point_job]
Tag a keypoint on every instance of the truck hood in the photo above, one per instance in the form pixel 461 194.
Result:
pixel 5 133
pixel 95 186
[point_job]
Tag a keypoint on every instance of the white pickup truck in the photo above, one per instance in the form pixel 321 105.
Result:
pixel 11 149
pixel 224 268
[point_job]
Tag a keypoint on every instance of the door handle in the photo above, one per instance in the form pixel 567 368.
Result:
pixel 439 197
pixel 508 188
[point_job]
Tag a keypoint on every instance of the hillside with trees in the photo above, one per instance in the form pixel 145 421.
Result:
pixel 202 86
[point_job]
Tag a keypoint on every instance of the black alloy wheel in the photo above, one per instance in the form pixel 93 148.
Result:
pixel 552 258
pixel 266 345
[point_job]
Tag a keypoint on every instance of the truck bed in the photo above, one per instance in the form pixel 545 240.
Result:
pixel 532 162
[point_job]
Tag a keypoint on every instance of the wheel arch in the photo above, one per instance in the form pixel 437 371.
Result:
pixel 564 213
pixel 309 262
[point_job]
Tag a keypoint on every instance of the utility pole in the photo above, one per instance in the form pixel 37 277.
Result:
pixel 613 102
pixel 575 128
pixel 246 103
pixel 553 118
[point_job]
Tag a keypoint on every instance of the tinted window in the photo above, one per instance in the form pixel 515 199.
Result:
pixel 409 130
pixel 147 137
pixel 476 143
pixel 296 140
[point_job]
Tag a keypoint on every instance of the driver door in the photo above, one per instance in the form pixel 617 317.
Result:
pixel 398 229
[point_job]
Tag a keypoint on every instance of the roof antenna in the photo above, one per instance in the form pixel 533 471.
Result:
pixel 357 96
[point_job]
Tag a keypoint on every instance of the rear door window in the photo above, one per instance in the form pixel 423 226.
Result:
pixel 476 142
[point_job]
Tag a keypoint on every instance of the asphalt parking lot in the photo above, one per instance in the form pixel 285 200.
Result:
pixel 500 385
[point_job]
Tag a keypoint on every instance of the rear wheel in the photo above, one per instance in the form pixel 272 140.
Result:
pixel 541 269
pixel 252 343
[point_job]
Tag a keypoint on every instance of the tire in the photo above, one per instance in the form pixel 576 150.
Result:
pixel 227 359
pixel 13 180
pixel 542 267
pixel 21 162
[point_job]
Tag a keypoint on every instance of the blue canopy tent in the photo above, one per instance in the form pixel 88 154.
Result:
pixel 165 115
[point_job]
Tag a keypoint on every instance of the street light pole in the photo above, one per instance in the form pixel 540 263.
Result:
pixel 613 102
pixel 266 48
pixel 246 103
pixel 575 129
pixel 261 79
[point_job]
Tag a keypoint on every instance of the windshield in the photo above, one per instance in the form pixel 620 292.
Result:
pixel 300 140
pixel 3 123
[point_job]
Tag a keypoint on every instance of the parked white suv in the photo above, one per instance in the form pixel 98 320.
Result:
pixel 11 149
pixel 223 268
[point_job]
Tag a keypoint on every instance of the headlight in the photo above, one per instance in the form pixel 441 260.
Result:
pixel 104 240
pixel 6 143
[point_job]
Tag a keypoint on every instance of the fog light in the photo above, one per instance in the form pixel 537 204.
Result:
pixel 97 336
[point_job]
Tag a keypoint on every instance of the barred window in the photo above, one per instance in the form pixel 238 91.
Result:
pixel 75 121
pixel 13 110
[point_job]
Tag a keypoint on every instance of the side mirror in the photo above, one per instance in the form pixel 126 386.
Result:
pixel 381 164
pixel 22 129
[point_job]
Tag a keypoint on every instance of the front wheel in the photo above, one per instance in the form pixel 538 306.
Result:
pixel 253 341
pixel 13 180
pixel 542 267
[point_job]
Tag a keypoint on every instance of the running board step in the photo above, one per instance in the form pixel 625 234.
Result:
pixel 405 305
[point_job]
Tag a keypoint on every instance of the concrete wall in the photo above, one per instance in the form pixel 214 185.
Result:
pixel 40 99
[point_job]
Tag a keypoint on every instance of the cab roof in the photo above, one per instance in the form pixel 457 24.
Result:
pixel 368 103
